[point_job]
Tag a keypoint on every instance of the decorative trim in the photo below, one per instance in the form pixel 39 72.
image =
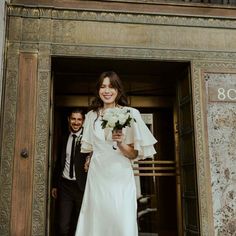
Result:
pixel 144 53
pixel 122 17
pixel 40 193
pixel 8 143
pixel 122 52
pixel 39 207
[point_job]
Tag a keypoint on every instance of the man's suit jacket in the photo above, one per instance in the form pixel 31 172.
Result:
pixel 79 162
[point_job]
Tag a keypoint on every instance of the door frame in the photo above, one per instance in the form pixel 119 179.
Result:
pixel 43 143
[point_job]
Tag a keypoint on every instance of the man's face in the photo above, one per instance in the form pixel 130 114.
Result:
pixel 75 122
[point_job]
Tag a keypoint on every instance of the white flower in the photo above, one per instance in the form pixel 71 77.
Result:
pixel 111 121
pixel 117 118
pixel 122 118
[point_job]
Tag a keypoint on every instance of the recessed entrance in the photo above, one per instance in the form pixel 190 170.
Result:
pixel 167 193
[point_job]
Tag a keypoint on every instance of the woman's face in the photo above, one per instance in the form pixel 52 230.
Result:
pixel 107 93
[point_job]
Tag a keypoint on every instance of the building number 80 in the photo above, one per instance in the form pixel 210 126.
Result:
pixel 226 94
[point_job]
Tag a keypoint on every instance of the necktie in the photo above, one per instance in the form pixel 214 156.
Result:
pixel 72 155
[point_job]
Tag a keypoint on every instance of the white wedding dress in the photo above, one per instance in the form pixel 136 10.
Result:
pixel 109 205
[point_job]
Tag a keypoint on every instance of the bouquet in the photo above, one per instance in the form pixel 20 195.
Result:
pixel 117 119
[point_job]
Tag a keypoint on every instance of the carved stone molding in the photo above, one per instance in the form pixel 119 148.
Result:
pixel 124 17
pixel 40 193
pixel 39 219
pixel 202 38
pixel 8 141
pixel 129 52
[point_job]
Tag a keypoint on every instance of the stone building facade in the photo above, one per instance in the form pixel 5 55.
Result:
pixel 202 36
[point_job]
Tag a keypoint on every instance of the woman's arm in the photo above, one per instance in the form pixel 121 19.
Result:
pixel 87 162
pixel 127 149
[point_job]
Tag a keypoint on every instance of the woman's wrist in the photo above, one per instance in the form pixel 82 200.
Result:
pixel 119 143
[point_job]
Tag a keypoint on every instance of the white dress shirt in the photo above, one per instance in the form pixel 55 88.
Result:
pixel 66 170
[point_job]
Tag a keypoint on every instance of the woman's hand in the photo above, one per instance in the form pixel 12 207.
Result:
pixel 117 136
pixel 87 162
pixel 127 150
pixel 54 193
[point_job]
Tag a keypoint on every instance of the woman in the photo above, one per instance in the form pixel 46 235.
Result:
pixel 109 205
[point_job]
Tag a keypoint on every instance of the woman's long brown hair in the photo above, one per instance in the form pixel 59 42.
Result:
pixel 116 83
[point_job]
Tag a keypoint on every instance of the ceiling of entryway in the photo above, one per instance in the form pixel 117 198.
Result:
pixel 73 76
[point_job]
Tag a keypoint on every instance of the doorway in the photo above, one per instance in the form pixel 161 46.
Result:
pixel 161 90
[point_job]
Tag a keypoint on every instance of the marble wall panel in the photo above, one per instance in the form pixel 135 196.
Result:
pixel 221 117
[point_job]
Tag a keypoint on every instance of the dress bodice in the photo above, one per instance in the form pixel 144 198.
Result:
pixel 137 134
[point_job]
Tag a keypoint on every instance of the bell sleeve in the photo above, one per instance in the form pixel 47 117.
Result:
pixel 87 140
pixel 140 136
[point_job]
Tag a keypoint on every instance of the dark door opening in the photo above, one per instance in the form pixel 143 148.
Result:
pixel 154 88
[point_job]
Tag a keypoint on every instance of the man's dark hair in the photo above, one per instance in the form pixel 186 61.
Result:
pixel 77 110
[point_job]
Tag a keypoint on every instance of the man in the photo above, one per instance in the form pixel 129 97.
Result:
pixel 69 176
